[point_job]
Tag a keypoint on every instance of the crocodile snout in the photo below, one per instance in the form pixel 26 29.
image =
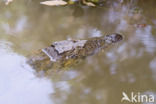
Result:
pixel 113 38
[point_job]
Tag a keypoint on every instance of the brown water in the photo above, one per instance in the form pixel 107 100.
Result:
pixel 129 66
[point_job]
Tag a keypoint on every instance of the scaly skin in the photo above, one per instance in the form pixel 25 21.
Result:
pixel 40 60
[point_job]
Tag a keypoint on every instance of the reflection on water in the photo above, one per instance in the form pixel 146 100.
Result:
pixel 17 82
pixel 147 38
pixel 26 26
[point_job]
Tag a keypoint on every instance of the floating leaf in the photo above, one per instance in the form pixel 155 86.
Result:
pixel 8 1
pixel 54 2
pixel 88 3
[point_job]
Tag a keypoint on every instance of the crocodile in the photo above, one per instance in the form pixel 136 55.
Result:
pixel 64 54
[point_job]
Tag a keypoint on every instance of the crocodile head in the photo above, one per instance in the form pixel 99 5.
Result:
pixel 113 38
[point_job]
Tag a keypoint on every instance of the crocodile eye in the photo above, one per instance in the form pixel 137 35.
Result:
pixel 118 37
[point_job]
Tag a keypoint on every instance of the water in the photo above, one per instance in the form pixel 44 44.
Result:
pixel 130 66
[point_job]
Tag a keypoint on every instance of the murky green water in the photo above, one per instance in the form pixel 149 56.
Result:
pixel 129 66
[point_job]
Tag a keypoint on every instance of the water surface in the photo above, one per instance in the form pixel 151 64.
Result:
pixel 26 26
